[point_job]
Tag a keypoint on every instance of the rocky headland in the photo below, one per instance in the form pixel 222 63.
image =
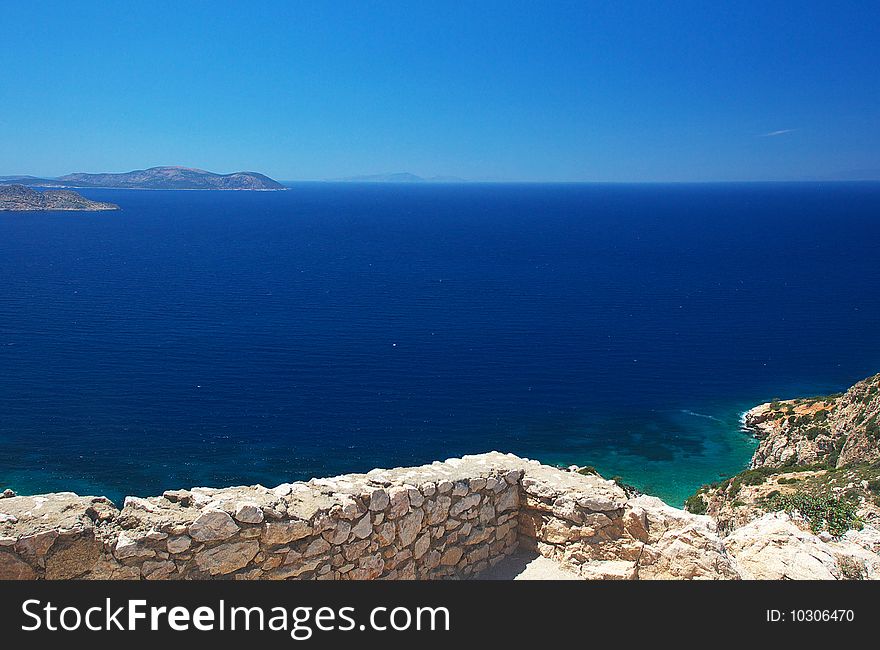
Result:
pixel 815 477
pixel 18 198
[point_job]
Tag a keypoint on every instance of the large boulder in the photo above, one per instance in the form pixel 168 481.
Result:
pixel 774 547
pixel 678 544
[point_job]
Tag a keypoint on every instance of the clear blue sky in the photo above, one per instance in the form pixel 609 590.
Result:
pixel 593 91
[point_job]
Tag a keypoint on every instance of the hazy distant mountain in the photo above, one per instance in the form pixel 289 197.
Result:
pixel 32 181
pixel 175 178
pixel 400 177
pixel 19 198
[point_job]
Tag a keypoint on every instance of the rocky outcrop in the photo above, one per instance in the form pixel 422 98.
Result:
pixel 857 420
pixel 775 547
pixel 809 506
pixel 836 430
pixel 589 525
pixel 19 198
pixel 826 448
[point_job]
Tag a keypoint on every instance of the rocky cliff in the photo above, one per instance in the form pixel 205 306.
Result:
pixel 454 519
pixel 19 198
pixel 814 479
pixel 836 430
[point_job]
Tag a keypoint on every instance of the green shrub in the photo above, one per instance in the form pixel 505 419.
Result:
pixel 696 504
pixel 829 513
pixel 629 490
pixel 814 432
pixel 850 569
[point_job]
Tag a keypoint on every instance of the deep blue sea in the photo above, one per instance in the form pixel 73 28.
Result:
pixel 214 338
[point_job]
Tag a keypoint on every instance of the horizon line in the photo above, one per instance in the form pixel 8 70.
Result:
pixel 336 181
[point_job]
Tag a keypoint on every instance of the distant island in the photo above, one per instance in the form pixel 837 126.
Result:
pixel 156 178
pixel 18 198
pixel 400 177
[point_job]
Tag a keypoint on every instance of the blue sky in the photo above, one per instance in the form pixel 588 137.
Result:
pixel 567 91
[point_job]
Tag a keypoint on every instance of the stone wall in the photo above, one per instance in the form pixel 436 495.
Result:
pixel 589 525
pixel 445 520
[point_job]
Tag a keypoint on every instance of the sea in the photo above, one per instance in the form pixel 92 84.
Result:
pixel 210 338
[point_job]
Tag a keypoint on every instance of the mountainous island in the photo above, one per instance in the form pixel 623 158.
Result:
pixel 18 198
pixel 156 178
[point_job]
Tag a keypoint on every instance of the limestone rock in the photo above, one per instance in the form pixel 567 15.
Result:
pixel 179 544
pixel 36 546
pixel 284 532
pixel 379 500
pixel 339 533
pixel 399 502
pixel 158 570
pixel 128 547
pixel 70 558
pixel 226 558
pixel 773 547
pixel 363 528
pixel 451 556
pixel 14 568
pixel 317 547
pixel 422 545
pixel 248 513
pixel 409 526
pixel 212 525
pixel 108 568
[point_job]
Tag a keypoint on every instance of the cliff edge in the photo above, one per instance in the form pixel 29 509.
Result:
pixel 836 430
pixel 815 474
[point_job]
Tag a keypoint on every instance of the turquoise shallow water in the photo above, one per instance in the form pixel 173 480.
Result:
pixel 726 450
pixel 212 338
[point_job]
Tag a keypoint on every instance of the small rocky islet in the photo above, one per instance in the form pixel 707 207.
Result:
pixel 17 193
pixel 19 198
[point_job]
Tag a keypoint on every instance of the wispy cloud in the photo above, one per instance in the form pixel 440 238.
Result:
pixel 773 134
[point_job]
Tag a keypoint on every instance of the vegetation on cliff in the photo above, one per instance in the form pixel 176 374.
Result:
pixel 818 458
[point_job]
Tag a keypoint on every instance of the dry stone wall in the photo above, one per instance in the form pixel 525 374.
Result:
pixel 450 519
